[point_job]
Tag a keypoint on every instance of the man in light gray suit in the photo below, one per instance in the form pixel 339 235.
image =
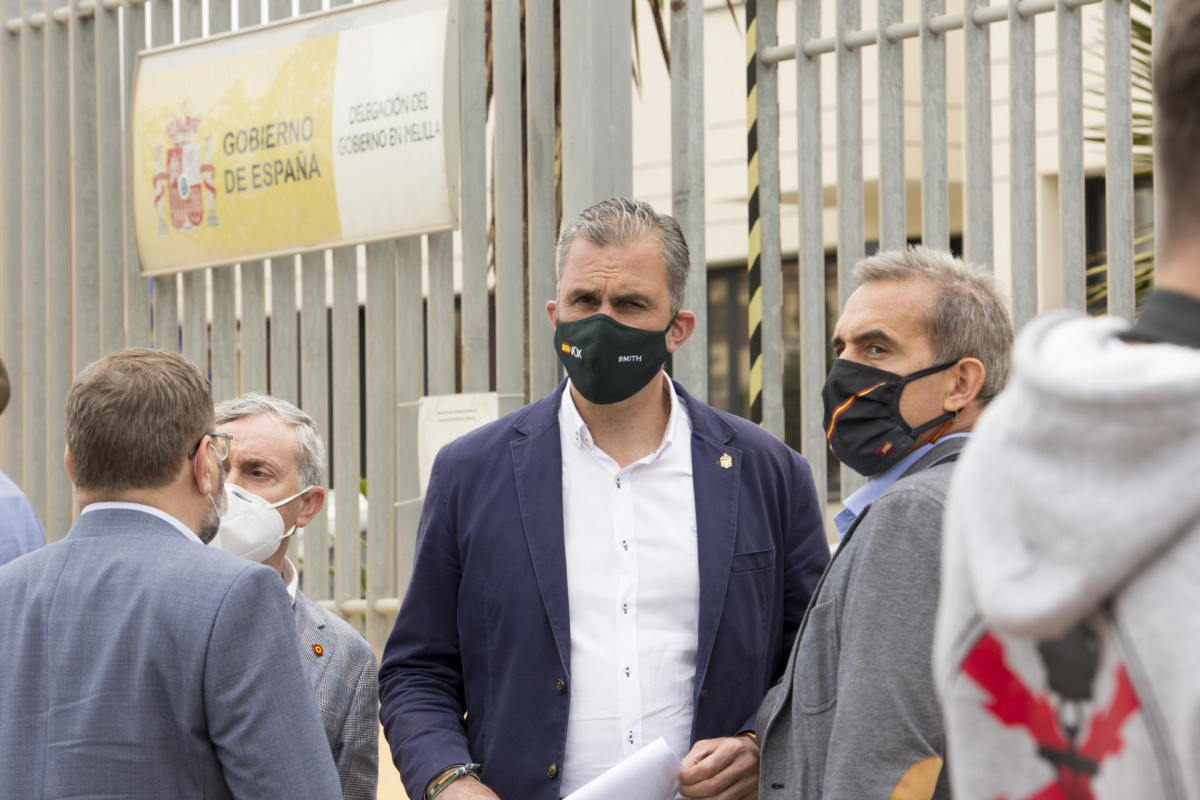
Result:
pixel 278 455
pixel 139 663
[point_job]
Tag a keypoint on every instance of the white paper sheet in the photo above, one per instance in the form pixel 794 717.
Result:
pixel 649 774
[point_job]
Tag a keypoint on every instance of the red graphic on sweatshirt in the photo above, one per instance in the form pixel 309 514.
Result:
pixel 1014 704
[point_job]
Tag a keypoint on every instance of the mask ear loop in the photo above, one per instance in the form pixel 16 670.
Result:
pixel 945 426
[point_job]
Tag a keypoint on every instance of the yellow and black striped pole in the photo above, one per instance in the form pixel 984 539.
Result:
pixel 754 258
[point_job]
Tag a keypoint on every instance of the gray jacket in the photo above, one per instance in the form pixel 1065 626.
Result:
pixel 344 677
pixel 855 715
pixel 141 665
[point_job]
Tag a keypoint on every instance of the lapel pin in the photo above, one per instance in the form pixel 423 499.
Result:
pixel 318 650
pixel 726 461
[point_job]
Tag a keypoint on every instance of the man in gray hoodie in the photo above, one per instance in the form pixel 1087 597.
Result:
pixel 1066 652
pixel 922 345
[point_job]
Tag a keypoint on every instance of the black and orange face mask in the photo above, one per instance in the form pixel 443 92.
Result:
pixel 862 415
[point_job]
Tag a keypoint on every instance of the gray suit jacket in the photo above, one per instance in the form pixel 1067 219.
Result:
pixel 141 664
pixel 855 714
pixel 344 677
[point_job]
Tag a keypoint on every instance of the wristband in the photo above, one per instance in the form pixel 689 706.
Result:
pixel 449 776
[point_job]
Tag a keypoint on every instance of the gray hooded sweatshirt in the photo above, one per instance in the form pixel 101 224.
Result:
pixel 1067 647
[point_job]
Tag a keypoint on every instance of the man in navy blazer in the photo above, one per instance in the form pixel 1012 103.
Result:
pixel 140 664
pixel 614 563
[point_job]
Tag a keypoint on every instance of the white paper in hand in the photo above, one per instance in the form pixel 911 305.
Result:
pixel 650 774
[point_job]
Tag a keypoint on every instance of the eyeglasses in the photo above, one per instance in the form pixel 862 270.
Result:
pixel 221 445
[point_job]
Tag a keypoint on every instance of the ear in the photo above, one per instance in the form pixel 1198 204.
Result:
pixel 310 505
pixel 202 470
pixel 964 382
pixel 70 467
pixel 551 309
pixel 681 330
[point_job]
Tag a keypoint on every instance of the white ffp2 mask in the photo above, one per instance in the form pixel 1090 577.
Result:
pixel 251 527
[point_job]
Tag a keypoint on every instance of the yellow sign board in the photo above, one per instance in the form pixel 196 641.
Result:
pixel 330 129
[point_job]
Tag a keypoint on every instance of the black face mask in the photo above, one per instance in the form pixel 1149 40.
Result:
pixel 862 415
pixel 609 362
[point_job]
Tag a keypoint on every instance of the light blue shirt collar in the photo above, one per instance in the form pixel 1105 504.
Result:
pixel 868 494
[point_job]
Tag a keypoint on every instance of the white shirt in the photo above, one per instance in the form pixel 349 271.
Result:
pixel 156 512
pixel 291 578
pixel 633 586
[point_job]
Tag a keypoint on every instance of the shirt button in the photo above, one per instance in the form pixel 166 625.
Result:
pixel 552 770
pixel 560 686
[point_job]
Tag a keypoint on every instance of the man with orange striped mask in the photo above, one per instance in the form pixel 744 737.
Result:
pixel 922 345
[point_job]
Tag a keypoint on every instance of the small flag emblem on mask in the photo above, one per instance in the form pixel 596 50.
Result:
pixel 566 348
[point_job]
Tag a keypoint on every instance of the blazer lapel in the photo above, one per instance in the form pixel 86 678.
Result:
pixel 315 647
pixel 537 462
pixel 716 476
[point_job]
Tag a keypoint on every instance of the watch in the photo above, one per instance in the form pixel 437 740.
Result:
pixel 449 776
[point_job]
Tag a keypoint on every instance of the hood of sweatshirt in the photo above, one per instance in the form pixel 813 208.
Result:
pixel 1082 473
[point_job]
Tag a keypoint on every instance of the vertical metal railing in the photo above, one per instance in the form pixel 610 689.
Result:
pixel 1022 170
pixel 65 239
pixel 690 363
pixel 980 174
pixel 57 362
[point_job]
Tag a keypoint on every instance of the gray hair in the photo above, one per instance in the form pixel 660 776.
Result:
pixel 966 318
pixel 621 221
pixel 310 450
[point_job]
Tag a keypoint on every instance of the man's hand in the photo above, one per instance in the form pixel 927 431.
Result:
pixel 721 769
pixel 467 788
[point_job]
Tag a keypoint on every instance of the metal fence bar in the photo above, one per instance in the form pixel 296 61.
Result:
pixel 195 283
pixel 1023 166
pixel 84 197
pixel 1070 156
pixel 382 264
pixel 892 228
pixel 850 172
pixel 224 279
pixel 59 495
pixel 474 223
pixel 137 288
pixel 166 288
pixel 410 385
pixel 813 339
pixel 1118 183
pixel 510 233
pixel 935 209
pixel 1158 19
pixel 769 206
pixel 346 414
pixel 33 247
pixel 12 300
pixel 284 355
pixel 977 58
pixel 253 326
pixel 597 104
pixel 690 364
pixel 314 397
pixel 541 202
pixel 439 335
pixel 107 153
pixel 285 380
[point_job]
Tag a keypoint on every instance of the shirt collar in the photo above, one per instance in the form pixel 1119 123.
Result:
pixel 576 429
pixel 291 578
pixel 156 512
pixel 869 493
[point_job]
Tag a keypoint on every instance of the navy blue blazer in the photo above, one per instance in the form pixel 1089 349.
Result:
pixel 478 665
